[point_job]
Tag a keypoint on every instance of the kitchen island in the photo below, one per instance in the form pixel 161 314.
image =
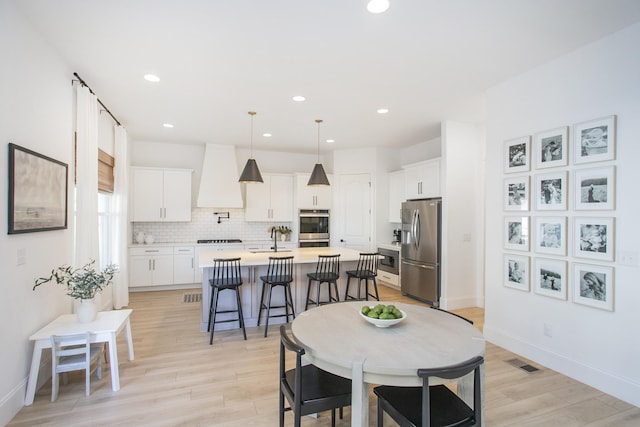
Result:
pixel 254 264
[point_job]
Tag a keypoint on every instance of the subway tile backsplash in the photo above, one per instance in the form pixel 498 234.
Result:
pixel 204 225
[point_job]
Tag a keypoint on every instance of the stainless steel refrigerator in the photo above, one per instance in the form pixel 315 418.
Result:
pixel 420 274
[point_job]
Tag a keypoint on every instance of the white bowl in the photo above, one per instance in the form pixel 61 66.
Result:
pixel 384 323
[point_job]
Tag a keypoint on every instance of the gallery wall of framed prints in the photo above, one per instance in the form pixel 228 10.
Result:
pixel 559 213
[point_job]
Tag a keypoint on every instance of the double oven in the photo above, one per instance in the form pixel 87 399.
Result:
pixel 313 228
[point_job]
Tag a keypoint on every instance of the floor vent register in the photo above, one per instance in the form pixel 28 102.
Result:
pixel 192 297
pixel 522 365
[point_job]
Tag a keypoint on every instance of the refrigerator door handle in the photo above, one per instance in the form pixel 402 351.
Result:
pixel 418 231
pixel 426 267
pixel 413 228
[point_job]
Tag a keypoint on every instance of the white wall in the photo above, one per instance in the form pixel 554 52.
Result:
pixel 36 113
pixel 597 347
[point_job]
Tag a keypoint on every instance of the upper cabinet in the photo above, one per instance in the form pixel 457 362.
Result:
pixel 312 197
pixel 160 194
pixel 271 201
pixel 422 180
pixel 396 195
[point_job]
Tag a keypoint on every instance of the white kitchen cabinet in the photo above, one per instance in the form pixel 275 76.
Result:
pixel 184 265
pixel 160 194
pixel 396 195
pixel 422 180
pixel 312 197
pixel 271 201
pixel 152 266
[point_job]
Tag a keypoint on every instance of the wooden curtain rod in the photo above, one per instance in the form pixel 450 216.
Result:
pixel 82 82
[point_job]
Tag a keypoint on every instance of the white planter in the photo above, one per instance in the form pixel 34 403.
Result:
pixel 87 311
pixel 283 237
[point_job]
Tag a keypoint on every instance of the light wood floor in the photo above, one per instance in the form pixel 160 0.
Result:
pixel 177 379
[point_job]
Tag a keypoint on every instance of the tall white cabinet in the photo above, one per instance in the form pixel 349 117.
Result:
pixel 272 200
pixel 160 194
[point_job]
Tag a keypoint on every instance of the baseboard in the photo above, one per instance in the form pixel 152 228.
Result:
pixel 12 402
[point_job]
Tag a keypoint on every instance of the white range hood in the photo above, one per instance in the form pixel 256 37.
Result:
pixel 219 186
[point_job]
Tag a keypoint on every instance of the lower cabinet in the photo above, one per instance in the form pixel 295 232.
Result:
pixel 151 266
pixel 184 265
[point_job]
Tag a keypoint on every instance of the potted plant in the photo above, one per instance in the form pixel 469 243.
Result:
pixel 82 284
pixel 284 232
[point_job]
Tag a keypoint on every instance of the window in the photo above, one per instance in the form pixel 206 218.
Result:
pixel 105 228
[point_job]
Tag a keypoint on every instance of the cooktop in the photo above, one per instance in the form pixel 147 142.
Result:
pixel 220 241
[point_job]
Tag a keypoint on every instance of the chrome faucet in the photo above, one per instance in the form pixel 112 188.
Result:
pixel 274 235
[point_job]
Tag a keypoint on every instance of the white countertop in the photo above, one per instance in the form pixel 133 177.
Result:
pixel 392 246
pixel 300 255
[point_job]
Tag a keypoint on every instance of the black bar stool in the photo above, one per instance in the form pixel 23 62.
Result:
pixel 226 275
pixel 279 273
pixel 327 271
pixel 367 269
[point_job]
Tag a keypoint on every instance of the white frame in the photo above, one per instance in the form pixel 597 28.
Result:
pixel 587 175
pixel 582 240
pixel 550 267
pixel 524 205
pixel 508 167
pixel 524 233
pixel 547 245
pixel 542 139
pixel 522 261
pixel 581 130
pixel 599 272
pixel 539 194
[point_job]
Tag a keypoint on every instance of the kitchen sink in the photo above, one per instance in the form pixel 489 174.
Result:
pixel 265 251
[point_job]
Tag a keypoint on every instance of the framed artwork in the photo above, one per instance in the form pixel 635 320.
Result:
pixel 595 189
pixel 37 192
pixel 551 235
pixel 551 191
pixel 516 194
pixel 595 140
pixel 516 272
pixel 516 233
pixel 594 238
pixel 517 155
pixel 550 278
pixel 550 148
pixel 593 286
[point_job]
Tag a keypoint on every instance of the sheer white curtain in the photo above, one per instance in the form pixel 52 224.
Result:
pixel 86 245
pixel 120 224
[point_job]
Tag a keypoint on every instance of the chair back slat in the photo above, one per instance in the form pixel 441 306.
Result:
pixel 280 269
pixel 368 263
pixel 328 264
pixel 226 271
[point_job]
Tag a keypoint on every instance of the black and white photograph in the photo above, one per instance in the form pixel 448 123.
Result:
pixel 595 140
pixel 516 233
pixel 550 278
pixel 550 235
pixel 594 238
pixel 595 189
pixel 516 191
pixel 517 155
pixel 593 286
pixel 550 148
pixel 551 191
pixel 516 272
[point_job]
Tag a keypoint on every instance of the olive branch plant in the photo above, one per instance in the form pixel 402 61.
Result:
pixel 83 282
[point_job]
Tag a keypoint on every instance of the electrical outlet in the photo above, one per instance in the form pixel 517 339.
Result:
pixel 466 237
pixel 548 331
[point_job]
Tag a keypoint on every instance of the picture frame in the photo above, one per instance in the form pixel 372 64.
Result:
pixel 551 191
pixel 594 140
pixel 37 192
pixel 594 238
pixel 516 272
pixel 516 233
pixel 594 189
pixel 549 278
pixel 593 285
pixel 517 155
pixel 551 235
pixel 516 193
pixel 550 148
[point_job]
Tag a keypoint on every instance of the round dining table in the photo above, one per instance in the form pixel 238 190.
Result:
pixel 337 339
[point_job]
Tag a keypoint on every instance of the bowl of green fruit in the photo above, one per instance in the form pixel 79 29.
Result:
pixel 382 315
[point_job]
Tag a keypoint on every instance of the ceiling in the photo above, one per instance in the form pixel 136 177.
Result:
pixel 424 60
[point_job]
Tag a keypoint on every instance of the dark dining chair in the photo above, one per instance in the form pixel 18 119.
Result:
pixel 367 270
pixel 309 389
pixel 327 271
pixel 279 274
pixel 226 276
pixel 436 405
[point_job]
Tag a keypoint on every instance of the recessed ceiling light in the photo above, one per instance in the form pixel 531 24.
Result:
pixel 383 110
pixel 299 98
pixel 378 6
pixel 168 125
pixel 151 78
pixel 330 141
pixel 267 135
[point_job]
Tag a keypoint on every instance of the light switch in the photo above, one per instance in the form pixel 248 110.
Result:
pixel 22 256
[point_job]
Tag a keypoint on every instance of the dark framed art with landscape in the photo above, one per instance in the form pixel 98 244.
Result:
pixel 37 192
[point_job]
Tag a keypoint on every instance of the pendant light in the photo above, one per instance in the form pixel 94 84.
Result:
pixel 318 177
pixel 251 173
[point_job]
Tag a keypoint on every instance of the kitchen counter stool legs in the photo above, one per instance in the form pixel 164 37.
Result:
pixel 226 275
pixel 327 271
pixel 367 269
pixel 279 274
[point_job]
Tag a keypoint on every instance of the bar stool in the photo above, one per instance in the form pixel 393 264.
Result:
pixel 226 275
pixel 279 273
pixel 327 271
pixel 367 269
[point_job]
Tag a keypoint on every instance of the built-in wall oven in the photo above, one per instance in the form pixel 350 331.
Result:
pixel 313 228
